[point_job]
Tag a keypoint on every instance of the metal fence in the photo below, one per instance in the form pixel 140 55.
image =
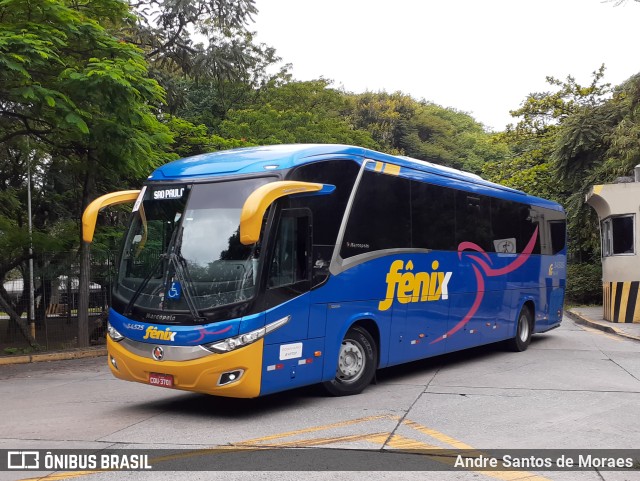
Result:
pixel 56 302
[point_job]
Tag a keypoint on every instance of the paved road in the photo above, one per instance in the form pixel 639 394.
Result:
pixel 575 387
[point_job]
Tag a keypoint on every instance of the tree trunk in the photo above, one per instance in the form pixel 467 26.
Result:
pixel 83 296
pixel 84 278
pixel 21 323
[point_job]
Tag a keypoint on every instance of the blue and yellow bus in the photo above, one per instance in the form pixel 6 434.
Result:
pixel 251 271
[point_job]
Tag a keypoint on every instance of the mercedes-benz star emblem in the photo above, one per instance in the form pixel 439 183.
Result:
pixel 158 353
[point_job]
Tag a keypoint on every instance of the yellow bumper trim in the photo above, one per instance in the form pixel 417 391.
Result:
pixel 198 375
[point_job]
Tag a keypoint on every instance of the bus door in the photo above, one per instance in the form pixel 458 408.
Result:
pixel 289 355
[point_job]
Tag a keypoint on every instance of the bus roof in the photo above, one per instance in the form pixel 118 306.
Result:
pixel 270 158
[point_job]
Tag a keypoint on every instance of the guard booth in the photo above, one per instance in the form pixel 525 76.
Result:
pixel 618 206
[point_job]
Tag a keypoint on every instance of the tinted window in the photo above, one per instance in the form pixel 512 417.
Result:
pixel 290 262
pixel 529 219
pixel 433 215
pixel 558 230
pixel 327 210
pixel 393 212
pixel 473 220
pixel 380 216
pixel 513 224
pixel 505 223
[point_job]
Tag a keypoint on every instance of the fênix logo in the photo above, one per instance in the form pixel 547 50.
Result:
pixel 154 333
pixel 408 287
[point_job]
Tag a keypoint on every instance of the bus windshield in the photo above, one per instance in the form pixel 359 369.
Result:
pixel 183 252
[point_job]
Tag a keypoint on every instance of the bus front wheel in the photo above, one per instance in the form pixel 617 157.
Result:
pixel 524 329
pixel 357 361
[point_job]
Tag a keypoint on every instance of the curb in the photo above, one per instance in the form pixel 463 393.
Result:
pixel 54 356
pixel 580 319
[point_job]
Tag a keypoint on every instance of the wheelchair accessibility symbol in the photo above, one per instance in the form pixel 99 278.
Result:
pixel 175 291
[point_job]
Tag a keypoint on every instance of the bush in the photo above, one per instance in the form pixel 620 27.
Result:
pixel 584 283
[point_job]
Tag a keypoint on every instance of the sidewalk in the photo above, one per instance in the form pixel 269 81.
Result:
pixel 80 353
pixel 593 317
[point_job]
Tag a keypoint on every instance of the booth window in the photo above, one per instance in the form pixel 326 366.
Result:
pixel 618 235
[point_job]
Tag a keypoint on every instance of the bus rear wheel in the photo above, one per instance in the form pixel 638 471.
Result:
pixel 524 329
pixel 357 361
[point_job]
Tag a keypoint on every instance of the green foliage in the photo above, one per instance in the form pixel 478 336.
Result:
pixel 267 125
pixel 72 84
pixel 78 106
pixel 584 283
pixel 539 111
pixel 297 112
pixel 11 351
pixel 424 130
pixel 190 139
pixel 559 142
pixel 42 44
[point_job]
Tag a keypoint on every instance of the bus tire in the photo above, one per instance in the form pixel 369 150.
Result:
pixel 357 361
pixel 524 329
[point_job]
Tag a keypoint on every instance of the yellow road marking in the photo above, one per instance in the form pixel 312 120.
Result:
pixel 445 455
pixel 324 441
pixel 602 333
pixel 319 428
pixel 55 476
pixel 436 435
pixel 400 442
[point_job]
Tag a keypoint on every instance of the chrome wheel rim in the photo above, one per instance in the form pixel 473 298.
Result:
pixel 351 361
pixel 524 329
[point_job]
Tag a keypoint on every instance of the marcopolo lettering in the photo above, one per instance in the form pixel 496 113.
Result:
pixel 154 333
pixel 160 317
pixel 408 287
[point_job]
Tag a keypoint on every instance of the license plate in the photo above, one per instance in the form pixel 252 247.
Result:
pixel 162 380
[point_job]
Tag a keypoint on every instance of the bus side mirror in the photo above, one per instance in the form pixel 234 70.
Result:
pixel 90 214
pixel 260 199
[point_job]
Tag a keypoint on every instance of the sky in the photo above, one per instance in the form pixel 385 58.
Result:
pixel 482 57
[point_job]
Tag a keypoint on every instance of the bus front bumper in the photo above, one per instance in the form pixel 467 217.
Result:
pixel 240 371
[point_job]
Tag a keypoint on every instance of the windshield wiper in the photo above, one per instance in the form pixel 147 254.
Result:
pixel 182 273
pixel 143 284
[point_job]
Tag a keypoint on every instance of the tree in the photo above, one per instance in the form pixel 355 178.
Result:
pixel 203 54
pixel 560 138
pixel 424 130
pixel 79 93
pixel 296 112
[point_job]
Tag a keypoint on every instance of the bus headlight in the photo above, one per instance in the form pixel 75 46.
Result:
pixel 231 343
pixel 114 334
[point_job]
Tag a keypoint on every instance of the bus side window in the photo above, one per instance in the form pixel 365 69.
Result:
pixel 380 217
pixel 328 210
pixel 290 262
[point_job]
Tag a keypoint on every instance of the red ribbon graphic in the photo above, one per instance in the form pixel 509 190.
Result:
pixel 489 271
pixel 204 332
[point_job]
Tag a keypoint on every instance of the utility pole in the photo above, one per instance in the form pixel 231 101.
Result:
pixel 32 306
